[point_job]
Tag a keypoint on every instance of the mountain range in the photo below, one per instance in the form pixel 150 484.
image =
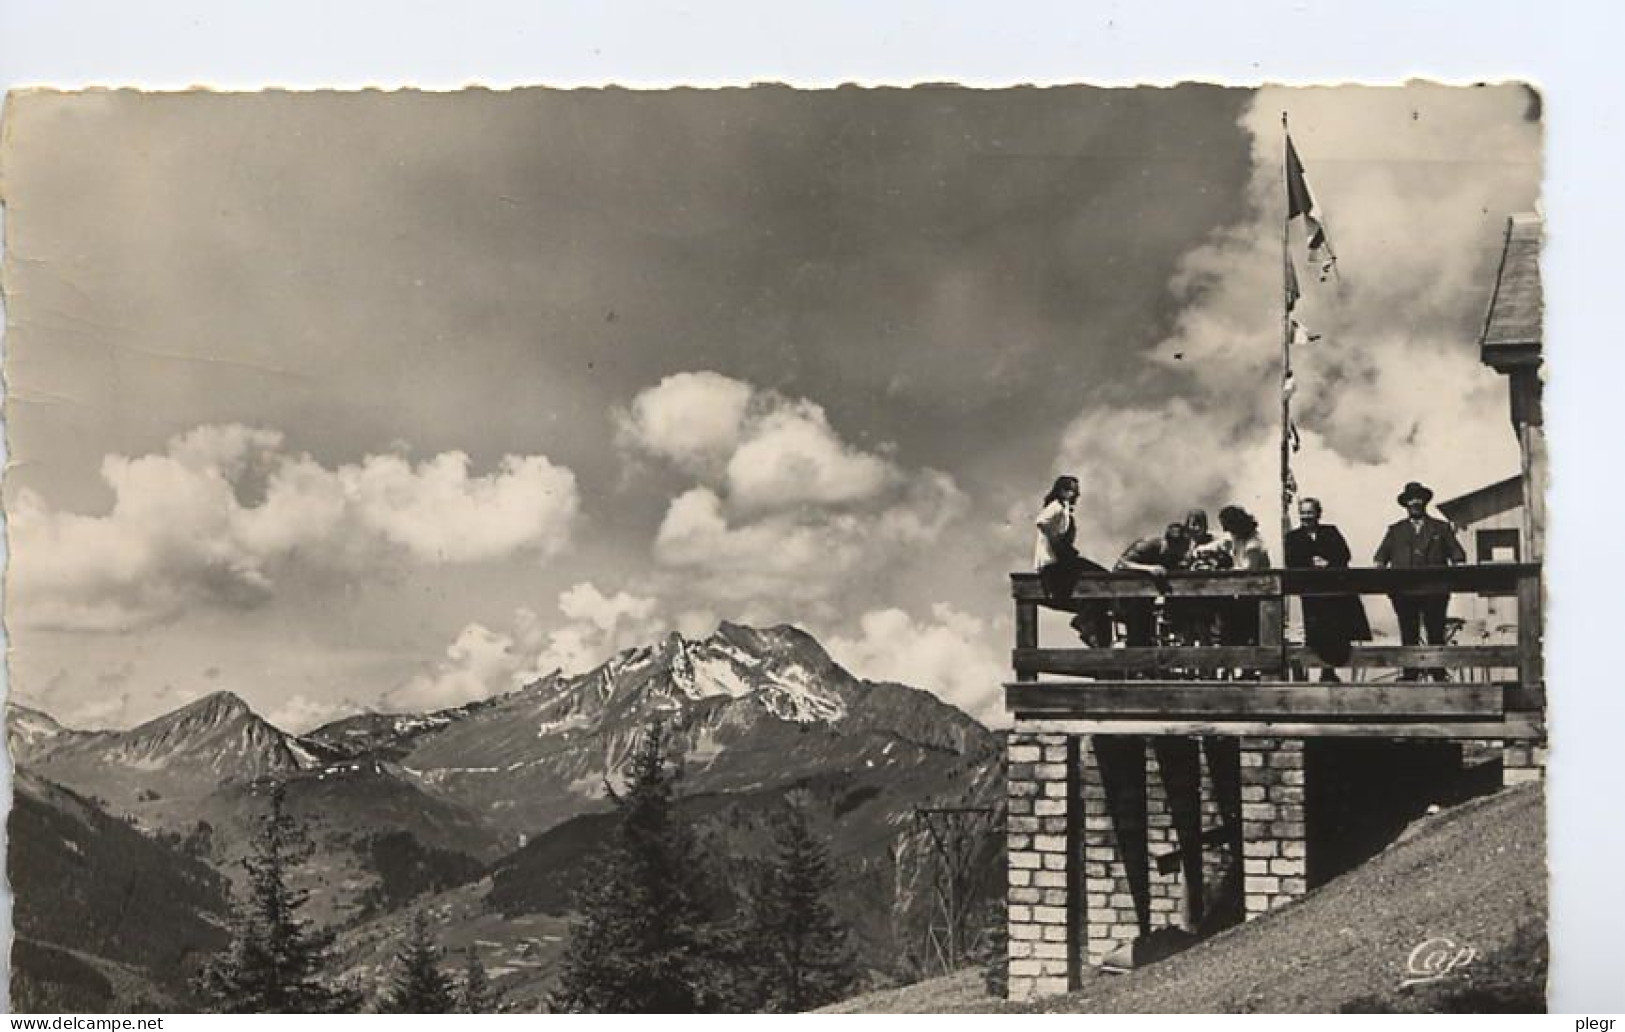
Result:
pixel 493 809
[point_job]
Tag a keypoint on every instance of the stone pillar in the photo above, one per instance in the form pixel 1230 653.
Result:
pixel 1522 762
pixel 1163 890
pixel 1040 845
pixel 1273 843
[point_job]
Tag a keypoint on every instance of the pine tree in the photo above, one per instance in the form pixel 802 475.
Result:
pixel 476 996
pixel 418 986
pixel 275 961
pixel 642 943
pixel 799 948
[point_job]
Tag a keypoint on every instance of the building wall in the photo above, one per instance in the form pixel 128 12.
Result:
pixel 1489 621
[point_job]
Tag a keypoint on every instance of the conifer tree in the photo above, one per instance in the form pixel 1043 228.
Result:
pixel 799 948
pixel 418 986
pixel 476 996
pixel 642 943
pixel 275 962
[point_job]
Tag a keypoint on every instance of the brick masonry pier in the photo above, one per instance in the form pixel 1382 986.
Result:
pixel 1274 842
pixel 1042 844
pixel 1124 848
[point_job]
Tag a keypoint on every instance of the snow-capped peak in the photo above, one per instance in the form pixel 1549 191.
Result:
pixel 735 663
pixel 31 723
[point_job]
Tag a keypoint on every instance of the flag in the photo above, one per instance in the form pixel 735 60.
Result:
pixel 1301 334
pixel 1291 283
pixel 1299 201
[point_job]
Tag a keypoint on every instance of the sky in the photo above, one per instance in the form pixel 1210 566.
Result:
pixel 398 400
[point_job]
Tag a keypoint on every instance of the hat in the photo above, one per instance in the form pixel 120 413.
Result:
pixel 1415 490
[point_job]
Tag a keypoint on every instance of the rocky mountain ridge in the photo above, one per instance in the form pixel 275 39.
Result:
pixel 400 803
pixel 748 708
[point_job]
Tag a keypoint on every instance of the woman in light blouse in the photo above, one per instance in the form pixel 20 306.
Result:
pixel 1056 559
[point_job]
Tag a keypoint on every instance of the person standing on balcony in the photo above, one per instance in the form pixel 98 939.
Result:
pixel 1056 559
pixel 1419 540
pixel 1331 623
pixel 1238 620
pixel 1156 556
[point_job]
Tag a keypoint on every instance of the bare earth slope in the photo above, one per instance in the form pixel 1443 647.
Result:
pixel 1475 874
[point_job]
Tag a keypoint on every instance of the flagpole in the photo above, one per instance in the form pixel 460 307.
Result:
pixel 1286 357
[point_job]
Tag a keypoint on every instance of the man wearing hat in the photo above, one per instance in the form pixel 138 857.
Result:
pixel 1419 540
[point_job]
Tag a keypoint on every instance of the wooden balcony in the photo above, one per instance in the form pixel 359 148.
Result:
pixel 1263 689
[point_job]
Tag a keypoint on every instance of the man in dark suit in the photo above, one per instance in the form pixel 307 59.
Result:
pixel 1330 622
pixel 1419 540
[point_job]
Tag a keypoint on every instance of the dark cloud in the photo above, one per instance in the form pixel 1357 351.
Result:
pixel 353 268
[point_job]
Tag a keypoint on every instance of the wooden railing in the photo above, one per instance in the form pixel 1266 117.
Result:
pixel 1273 658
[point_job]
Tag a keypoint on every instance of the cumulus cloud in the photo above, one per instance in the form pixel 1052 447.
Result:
pixel 223 510
pixel 693 420
pixel 951 653
pixel 482 662
pixel 298 714
pixel 597 626
pixel 439 513
pixel 781 507
pixel 1415 185
pixel 793 458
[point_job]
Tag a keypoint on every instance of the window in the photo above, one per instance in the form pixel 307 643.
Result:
pixel 1497 546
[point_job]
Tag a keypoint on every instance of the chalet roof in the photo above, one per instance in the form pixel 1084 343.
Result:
pixel 1488 500
pixel 1512 328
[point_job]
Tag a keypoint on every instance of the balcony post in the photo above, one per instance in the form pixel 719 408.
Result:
pixel 1026 634
pixel 1531 673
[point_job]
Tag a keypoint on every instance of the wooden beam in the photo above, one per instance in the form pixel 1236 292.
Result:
pixel 1517 697
pixel 1426 655
pixel 1253 657
pixel 1025 587
pixel 1515 726
pixel 1089 661
pixel 1272 635
pixel 1240 699
pixel 1512 355
pixel 1531 669
pixel 1481 579
pixel 1185 683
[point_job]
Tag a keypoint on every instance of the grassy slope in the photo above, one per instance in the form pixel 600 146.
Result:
pixel 90 887
pixel 1475 873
